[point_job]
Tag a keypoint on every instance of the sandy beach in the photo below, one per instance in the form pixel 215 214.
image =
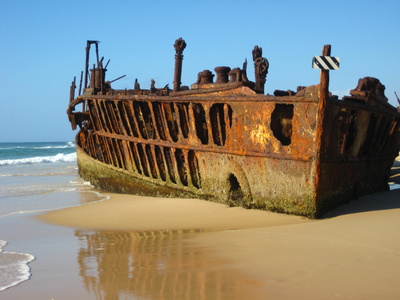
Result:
pixel 131 247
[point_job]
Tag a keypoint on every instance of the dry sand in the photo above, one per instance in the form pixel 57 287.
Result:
pixel 354 253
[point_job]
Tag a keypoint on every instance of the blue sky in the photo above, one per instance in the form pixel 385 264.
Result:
pixel 42 48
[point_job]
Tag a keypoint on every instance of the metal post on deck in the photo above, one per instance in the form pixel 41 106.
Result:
pixel 324 78
pixel 324 63
pixel 179 46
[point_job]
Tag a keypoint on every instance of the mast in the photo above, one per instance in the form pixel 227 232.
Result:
pixel 87 65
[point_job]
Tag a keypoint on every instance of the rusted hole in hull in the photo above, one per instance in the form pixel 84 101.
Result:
pixel 200 122
pixel 144 119
pixel 136 158
pixel 99 149
pixel 159 120
pixel 116 153
pixel 143 160
pixel 124 118
pixel 170 165
pixel 113 116
pixel 171 122
pixel 151 161
pixel 131 120
pixel 180 160
pixel 235 190
pixel 111 158
pixel 183 109
pixel 219 127
pixel 107 122
pixel 194 169
pixel 123 161
pixel 94 118
pixel 281 123
pixel 160 163
pixel 102 147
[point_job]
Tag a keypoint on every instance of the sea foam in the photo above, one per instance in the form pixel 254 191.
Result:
pixel 14 267
pixel 60 157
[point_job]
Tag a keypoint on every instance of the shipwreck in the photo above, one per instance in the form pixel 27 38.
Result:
pixel 222 139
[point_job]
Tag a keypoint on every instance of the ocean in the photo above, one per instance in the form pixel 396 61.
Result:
pixel 36 177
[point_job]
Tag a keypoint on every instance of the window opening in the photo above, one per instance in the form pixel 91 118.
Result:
pixel 201 124
pixel 281 123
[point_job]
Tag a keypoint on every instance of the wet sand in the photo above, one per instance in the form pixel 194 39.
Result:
pixel 132 247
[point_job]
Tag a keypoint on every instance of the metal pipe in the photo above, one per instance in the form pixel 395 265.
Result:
pixel 179 46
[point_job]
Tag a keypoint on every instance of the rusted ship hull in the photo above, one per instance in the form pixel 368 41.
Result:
pixel 227 142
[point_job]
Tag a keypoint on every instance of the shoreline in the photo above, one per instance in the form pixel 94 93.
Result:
pixel 158 248
pixel 140 213
pixel 144 213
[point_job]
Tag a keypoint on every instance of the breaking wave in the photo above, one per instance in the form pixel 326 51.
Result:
pixel 60 157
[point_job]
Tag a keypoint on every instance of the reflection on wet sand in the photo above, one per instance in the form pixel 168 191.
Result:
pixel 159 265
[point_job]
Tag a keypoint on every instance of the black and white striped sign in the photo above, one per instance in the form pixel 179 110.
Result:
pixel 326 62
